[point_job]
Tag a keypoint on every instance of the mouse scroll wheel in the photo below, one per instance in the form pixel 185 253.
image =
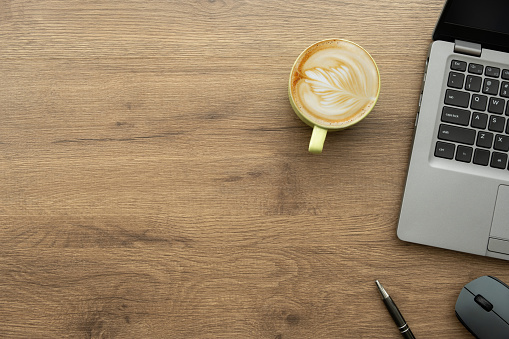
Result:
pixel 485 304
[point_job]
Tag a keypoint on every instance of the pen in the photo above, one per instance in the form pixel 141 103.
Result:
pixel 395 313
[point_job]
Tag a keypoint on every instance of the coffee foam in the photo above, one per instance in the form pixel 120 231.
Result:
pixel 334 83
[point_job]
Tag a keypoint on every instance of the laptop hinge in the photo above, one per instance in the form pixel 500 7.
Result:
pixel 465 47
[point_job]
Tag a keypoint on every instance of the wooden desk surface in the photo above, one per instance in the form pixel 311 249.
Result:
pixel 156 182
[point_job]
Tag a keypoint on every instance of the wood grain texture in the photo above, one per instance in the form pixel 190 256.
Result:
pixel 156 182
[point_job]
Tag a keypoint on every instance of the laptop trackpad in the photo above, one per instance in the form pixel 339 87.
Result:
pixel 499 235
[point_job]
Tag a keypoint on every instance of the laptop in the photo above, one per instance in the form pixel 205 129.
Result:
pixel 457 190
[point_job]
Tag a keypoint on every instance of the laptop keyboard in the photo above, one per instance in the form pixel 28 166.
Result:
pixel 474 124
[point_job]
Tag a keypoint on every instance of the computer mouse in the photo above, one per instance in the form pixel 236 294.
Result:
pixel 483 308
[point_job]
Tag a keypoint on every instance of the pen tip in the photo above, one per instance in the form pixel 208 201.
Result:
pixel 382 290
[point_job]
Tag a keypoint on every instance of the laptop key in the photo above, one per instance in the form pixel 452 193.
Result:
pixel 492 71
pixel 504 89
pixel 498 160
pixel 455 80
pixel 459 65
pixel 496 105
pixel 490 86
pixel 455 116
pixel 456 134
pixel 475 68
pixel 456 98
pixel 479 102
pixel 444 150
pixel 501 143
pixel 496 124
pixel 484 139
pixel 481 157
pixel 505 74
pixel 464 153
pixel 473 83
pixel 479 120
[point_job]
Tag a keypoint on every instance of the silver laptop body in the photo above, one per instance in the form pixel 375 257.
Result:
pixel 450 201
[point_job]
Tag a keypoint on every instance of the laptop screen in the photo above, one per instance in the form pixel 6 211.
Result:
pixel 485 22
pixel 489 15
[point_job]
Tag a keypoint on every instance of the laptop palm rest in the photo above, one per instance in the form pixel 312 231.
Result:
pixel 499 235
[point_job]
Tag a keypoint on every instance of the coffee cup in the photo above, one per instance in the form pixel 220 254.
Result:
pixel 333 85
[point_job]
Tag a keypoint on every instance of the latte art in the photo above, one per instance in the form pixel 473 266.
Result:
pixel 337 89
pixel 334 83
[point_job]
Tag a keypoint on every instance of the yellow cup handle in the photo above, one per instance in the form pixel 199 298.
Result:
pixel 317 140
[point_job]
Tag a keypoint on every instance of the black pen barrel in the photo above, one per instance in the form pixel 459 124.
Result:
pixel 394 312
pixel 398 318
